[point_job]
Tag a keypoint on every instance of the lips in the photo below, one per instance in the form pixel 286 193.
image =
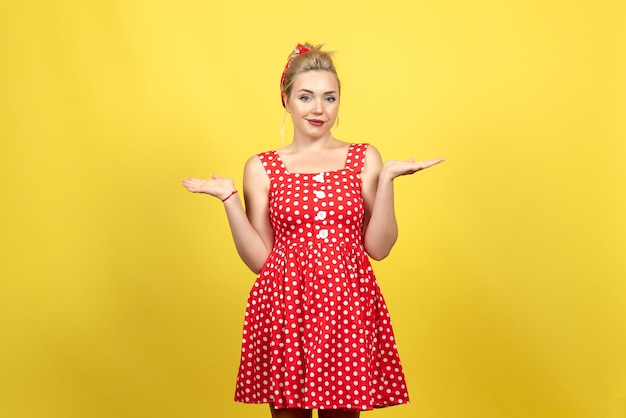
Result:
pixel 316 122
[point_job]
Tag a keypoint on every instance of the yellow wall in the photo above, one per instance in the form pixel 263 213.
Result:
pixel 121 294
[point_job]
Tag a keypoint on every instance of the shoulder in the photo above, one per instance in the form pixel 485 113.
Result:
pixel 259 163
pixel 369 149
pixel 256 165
pixel 365 148
pixel 372 157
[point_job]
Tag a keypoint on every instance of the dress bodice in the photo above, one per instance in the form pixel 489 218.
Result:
pixel 316 208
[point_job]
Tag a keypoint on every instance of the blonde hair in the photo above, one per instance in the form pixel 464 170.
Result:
pixel 313 60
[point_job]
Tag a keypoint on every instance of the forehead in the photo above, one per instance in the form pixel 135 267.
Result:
pixel 316 80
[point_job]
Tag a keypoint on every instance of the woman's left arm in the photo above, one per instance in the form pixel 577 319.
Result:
pixel 380 228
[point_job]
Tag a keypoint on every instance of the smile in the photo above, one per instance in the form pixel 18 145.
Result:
pixel 315 122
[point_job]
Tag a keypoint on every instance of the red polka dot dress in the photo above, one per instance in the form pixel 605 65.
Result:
pixel 317 333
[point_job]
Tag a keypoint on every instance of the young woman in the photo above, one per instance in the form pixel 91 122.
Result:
pixel 317 333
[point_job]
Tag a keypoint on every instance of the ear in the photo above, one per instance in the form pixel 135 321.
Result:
pixel 286 102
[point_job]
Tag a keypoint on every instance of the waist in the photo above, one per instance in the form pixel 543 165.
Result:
pixel 283 244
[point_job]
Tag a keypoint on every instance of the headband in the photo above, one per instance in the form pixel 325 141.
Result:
pixel 300 49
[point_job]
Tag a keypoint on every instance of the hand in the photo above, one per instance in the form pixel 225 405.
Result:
pixel 217 186
pixel 395 168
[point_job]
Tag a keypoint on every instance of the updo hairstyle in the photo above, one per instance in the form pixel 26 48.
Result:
pixel 313 60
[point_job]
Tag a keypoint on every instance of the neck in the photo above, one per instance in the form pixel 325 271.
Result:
pixel 312 144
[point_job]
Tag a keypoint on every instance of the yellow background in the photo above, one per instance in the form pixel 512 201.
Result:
pixel 121 294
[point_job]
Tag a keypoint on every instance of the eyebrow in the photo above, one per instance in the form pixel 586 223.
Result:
pixel 311 92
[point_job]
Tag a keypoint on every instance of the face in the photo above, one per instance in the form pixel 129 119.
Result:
pixel 313 103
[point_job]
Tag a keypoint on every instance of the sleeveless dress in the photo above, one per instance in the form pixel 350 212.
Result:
pixel 317 333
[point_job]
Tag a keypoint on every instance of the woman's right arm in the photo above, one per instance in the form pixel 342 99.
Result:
pixel 250 228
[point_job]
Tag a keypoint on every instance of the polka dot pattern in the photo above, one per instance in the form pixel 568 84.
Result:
pixel 317 332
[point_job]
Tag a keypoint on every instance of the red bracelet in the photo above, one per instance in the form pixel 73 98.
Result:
pixel 228 197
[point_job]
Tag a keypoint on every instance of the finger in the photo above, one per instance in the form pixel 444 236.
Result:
pixel 436 161
pixel 430 163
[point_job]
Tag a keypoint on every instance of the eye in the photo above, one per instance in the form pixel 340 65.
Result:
pixel 331 99
pixel 305 98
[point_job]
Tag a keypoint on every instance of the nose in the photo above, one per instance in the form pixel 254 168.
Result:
pixel 317 109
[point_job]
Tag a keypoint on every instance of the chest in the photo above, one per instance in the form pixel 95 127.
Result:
pixel 326 161
pixel 308 202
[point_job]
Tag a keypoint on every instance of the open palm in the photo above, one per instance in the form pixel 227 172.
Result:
pixel 395 168
pixel 216 186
